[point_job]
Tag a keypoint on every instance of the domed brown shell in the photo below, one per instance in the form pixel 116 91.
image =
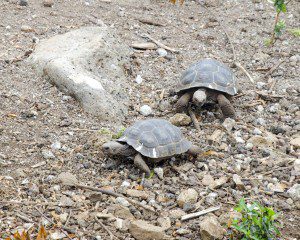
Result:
pixel 155 138
pixel 208 73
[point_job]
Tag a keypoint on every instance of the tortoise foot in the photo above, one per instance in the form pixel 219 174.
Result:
pixel 226 106
pixel 140 163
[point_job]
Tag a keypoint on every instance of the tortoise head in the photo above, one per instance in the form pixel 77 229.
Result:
pixel 117 148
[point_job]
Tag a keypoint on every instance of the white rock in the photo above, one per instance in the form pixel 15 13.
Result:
pixel 162 52
pixel 239 140
pixel 256 131
pixel 138 79
pixel 228 124
pixel 249 146
pixel 56 145
pixel 159 172
pixel 145 110
pixel 122 201
pixel 125 184
pixel 261 121
pixel 64 58
pixel 48 154
pixel 297 167
pixel 260 108
pixel 57 235
pixel 260 85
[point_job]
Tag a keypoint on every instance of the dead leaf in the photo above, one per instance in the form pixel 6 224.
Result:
pixel 42 235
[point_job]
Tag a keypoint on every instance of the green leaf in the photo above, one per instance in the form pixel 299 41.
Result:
pixel 294 31
pixel 119 134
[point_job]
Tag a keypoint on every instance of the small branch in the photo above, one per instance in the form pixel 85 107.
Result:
pixel 107 192
pixel 198 214
pixel 63 229
pixel 244 71
pixel 160 44
pixel 194 119
pixel 273 34
pixel 273 68
pixel 25 218
pixel 112 236
pixel 150 22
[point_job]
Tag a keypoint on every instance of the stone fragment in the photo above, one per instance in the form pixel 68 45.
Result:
pixel 211 229
pixel 67 179
pixel 238 182
pixel 180 119
pixel 142 230
pixel 137 193
pixel 187 196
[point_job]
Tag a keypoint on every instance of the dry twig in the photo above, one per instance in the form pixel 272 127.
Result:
pixel 160 44
pixel 107 192
pixel 63 229
pixel 273 68
pixel 112 236
pixel 198 214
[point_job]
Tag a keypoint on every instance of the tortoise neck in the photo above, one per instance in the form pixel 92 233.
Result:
pixel 127 150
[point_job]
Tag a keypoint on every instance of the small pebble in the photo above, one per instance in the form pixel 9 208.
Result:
pixel 48 3
pixel 162 52
pixel 138 79
pixel 23 2
pixel 145 110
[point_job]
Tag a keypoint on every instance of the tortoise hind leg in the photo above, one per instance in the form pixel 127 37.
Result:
pixel 183 100
pixel 226 106
pixel 140 163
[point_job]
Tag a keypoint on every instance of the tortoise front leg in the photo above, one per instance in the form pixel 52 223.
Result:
pixel 140 163
pixel 194 151
pixel 226 106
pixel 183 100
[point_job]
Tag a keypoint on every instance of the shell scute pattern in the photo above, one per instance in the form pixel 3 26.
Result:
pixel 157 138
pixel 211 74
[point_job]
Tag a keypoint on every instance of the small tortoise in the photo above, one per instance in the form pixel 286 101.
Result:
pixel 155 139
pixel 207 79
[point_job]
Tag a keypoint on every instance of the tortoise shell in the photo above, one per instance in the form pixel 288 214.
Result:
pixel 155 138
pixel 208 73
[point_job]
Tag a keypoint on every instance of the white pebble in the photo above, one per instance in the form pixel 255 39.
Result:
pixel 56 145
pixel 145 110
pixel 125 184
pixel 162 52
pixel 256 131
pixel 138 79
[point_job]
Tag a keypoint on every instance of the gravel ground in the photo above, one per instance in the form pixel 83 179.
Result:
pixel 46 138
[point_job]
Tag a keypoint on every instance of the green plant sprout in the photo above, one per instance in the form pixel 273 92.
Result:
pixel 257 222
pixel 279 25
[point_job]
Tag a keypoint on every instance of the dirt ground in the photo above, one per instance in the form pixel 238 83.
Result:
pixel 44 133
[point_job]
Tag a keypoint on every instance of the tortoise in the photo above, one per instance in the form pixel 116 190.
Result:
pixel 152 139
pixel 207 79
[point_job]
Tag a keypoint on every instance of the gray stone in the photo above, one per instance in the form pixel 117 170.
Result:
pixel 162 52
pixel 67 179
pixel 142 230
pixel 294 192
pixel 122 201
pixel 296 142
pixel 211 198
pixel 65 202
pixel 48 154
pixel 23 2
pixel 71 61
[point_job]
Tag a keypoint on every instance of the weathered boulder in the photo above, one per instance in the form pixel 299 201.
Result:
pixel 87 64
